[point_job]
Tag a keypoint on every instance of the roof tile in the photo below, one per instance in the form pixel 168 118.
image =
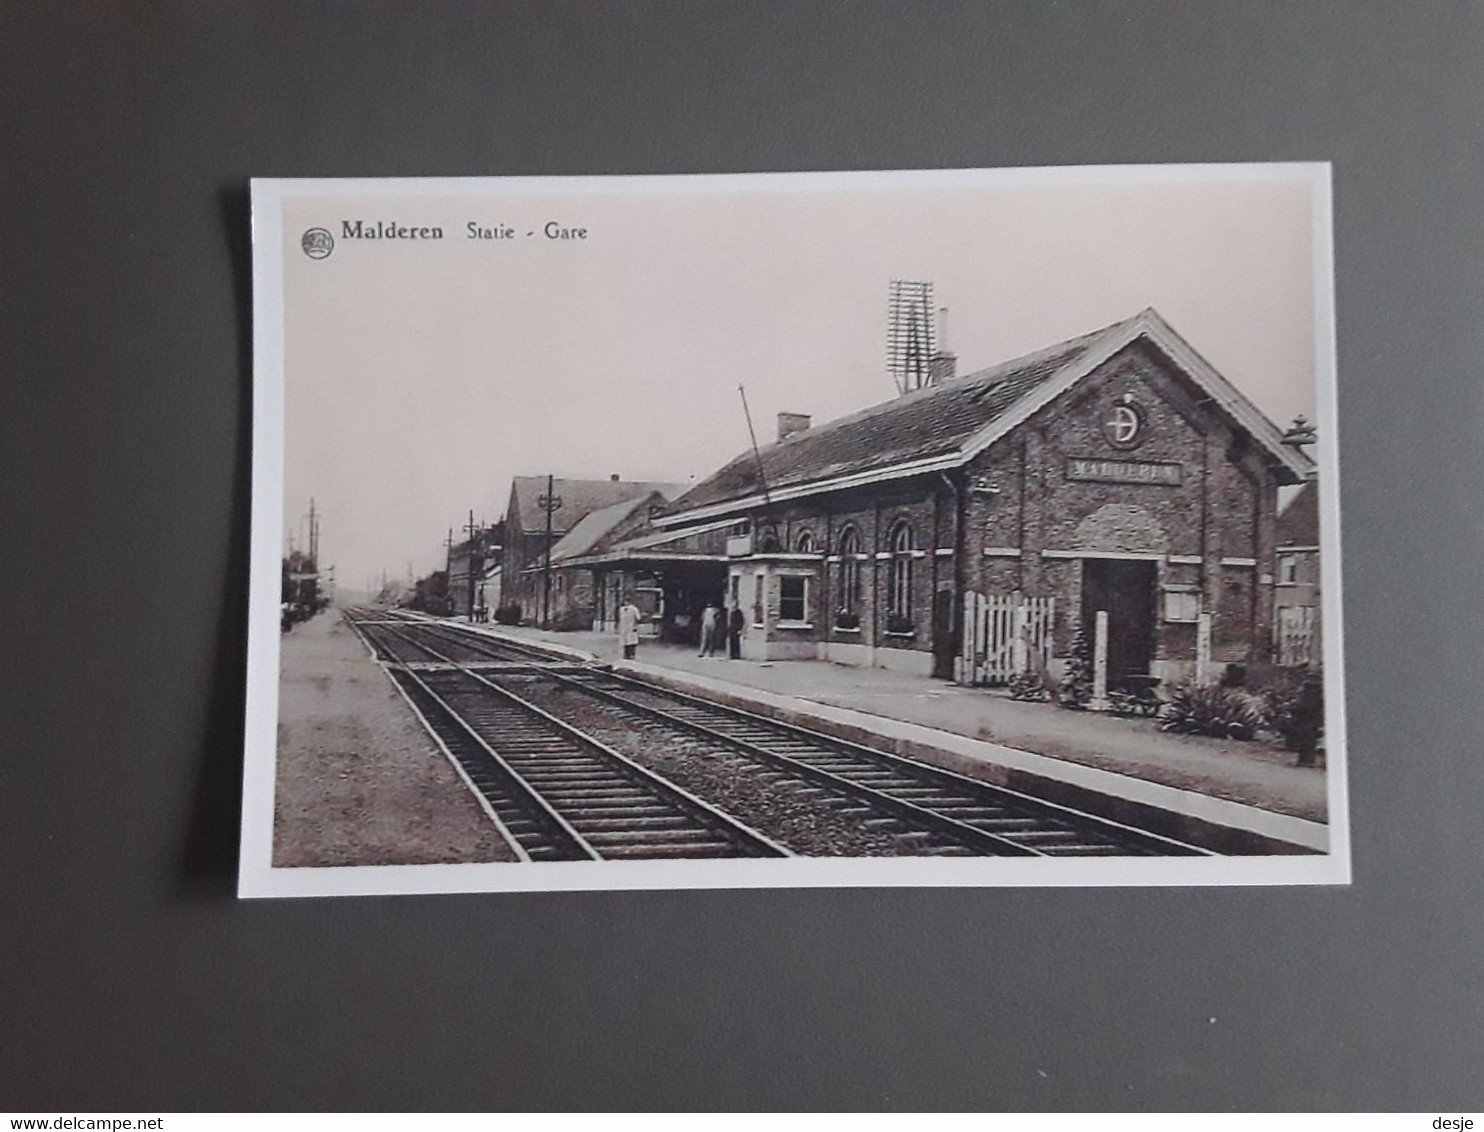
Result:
pixel 918 425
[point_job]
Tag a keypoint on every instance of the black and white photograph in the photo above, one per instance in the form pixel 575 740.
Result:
pixel 972 527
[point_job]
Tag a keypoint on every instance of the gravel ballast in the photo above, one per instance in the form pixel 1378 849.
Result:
pixel 796 814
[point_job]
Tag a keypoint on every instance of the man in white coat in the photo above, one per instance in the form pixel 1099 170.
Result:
pixel 709 628
pixel 628 626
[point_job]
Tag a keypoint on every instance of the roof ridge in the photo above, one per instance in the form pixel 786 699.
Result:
pixel 605 519
pixel 987 374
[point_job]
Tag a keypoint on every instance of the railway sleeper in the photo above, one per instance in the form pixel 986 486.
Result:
pixel 599 824
pixel 689 836
pixel 907 788
pixel 598 810
pixel 695 849
pixel 628 796
pixel 1006 824
pixel 1039 837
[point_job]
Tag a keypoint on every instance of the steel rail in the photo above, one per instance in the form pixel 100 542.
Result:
pixel 678 797
pixel 577 845
pixel 454 761
pixel 930 820
pixel 384 628
pixel 478 642
pixel 1069 819
pixel 1118 832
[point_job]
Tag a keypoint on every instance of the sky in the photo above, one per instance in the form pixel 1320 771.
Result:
pixel 421 375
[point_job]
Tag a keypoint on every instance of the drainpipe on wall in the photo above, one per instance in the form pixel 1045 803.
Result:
pixel 959 554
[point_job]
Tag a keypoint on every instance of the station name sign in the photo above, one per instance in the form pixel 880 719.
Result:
pixel 1124 471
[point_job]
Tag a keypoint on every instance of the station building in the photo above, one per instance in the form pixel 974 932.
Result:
pixel 670 574
pixel 577 600
pixel 473 573
pixel 969 528
pixel 542 511
pixel 1297 594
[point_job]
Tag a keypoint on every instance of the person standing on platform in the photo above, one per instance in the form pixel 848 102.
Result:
pixel 709 629
pixel 734 633
pixel 628 627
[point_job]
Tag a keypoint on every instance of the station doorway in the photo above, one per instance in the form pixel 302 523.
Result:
pixel 688 589
pixel 1126 589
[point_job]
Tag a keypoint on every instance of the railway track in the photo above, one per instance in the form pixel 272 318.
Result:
pixel 554 792
pixel 403 639
pixel 947 813
pixel 980 816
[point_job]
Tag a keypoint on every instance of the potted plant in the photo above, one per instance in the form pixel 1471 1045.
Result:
pixel 900 624
pixel 847 619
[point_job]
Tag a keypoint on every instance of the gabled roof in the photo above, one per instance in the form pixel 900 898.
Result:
pixel 642 545
pixel 654 540
pixel 1298 521
pixel 579 499
pixel 946 425
pixel 595 527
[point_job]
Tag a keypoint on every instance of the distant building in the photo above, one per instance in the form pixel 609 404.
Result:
pixel 671 575
pixel 576 601
pixel 526 581
pixel 1296 588
pixel 965 528
pixel 300 585
pixel 471 566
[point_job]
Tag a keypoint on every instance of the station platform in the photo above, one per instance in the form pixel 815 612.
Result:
pixel 1250 788
pixel 357 780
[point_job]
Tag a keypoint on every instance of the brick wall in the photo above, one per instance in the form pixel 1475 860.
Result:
pixel 1221 507
pixel 874 513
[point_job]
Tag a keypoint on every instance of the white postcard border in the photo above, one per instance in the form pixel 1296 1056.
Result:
pixel 258 878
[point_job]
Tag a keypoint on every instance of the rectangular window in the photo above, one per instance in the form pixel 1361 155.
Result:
pixel 1182 605
pixel 793 599
pixel 1287 569
pixel 757 600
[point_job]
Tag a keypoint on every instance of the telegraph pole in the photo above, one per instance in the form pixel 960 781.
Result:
pixel 550 502
pixel 447 574
pixel 313 535
pixel 474 560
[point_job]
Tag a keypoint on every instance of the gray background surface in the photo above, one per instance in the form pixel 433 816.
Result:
pixel 130 978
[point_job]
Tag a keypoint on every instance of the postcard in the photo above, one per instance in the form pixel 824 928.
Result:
pixel 951 528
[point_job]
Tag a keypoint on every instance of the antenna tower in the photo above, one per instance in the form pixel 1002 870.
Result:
pixel 909 334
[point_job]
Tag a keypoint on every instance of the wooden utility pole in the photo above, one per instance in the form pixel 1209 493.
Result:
pixel 313 534
pixel 473 560
pixel 550 503
pixel 446 603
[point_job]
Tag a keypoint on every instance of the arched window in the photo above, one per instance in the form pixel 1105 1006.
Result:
pixel 806 543
pixel 850 570
pixel 899 573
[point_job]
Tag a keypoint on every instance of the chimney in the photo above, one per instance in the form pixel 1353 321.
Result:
pixel 790 423
pixel 943 365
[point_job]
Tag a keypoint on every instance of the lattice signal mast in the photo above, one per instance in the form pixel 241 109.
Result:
pixel 909 334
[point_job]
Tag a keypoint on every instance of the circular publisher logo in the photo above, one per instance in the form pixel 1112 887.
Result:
pixel 317 243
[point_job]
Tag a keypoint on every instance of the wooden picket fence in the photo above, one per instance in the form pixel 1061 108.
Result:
pixel 1297 632
pixel 1004 636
